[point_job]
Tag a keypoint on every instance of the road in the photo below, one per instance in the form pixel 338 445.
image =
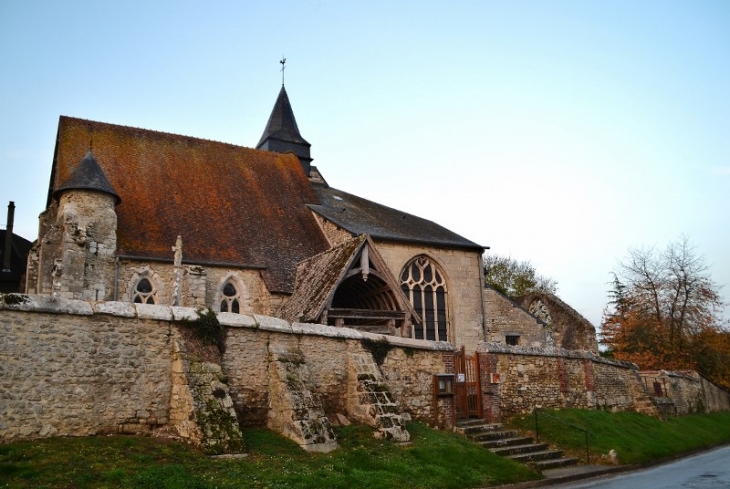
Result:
pixel 708 470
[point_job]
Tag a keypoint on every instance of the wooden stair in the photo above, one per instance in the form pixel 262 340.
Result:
pixel 510 444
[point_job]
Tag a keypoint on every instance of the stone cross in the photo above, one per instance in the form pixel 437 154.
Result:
pixel 177 268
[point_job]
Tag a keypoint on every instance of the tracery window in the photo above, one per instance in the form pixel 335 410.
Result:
pixel 144 292
pixel 424 285
pixel 230 298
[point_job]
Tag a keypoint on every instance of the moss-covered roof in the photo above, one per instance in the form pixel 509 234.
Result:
pixel 229 203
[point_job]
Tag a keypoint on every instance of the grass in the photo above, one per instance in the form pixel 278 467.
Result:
pixel 434 460
pixel 636 438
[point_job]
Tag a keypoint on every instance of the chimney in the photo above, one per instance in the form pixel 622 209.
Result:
pixel 8 251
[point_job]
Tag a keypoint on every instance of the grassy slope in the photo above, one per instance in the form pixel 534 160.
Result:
pixel 434 460
pixel 635 437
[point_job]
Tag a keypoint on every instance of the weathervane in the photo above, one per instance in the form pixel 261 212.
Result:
pixel 283 67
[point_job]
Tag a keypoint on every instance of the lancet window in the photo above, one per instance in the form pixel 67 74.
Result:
pixel 230 298
pixel 425 286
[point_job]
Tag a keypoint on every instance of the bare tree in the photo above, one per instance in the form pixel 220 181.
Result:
pixel 674 286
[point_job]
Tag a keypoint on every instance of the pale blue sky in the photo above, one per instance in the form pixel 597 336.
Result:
pixel 557 132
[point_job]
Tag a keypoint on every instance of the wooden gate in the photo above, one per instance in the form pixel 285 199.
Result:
pixel 467 385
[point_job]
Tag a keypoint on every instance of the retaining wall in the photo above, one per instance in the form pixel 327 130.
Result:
pixel 72 367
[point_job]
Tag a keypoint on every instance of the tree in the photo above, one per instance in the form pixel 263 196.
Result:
pixel 663 312
pixel 515 278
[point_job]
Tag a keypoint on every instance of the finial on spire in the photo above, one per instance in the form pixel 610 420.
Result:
pixel 283 67
pixel 91 142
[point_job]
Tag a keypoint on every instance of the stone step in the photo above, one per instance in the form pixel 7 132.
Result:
pixel 478 428
pixel 520 449
pixel 506 442
pixel 493 435
pixel 535 456
pixel 471 421
pixel 554 463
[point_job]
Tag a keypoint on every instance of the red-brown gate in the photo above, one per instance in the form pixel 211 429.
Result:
pixel 467 385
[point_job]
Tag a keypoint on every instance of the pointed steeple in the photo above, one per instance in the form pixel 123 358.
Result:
pixel 88 175
pixel 282 134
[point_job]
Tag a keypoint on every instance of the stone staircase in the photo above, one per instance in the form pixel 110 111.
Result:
pixel 509 443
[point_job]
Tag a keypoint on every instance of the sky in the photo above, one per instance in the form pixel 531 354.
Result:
pixel 559 132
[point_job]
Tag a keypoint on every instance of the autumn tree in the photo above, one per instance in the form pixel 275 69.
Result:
pixel 515 278
pixel 664 312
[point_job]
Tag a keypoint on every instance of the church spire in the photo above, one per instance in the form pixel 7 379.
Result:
pixel 282 134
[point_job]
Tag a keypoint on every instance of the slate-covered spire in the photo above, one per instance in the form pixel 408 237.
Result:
pixel 88 175
pixel 282 134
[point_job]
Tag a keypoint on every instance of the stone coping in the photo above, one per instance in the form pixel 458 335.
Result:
pixel 57 305
pixel 551 351
pixel 670 373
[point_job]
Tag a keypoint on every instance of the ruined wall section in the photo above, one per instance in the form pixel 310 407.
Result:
pixel 74 258
pixel 570 330
pixel 464 274
pixel 504 317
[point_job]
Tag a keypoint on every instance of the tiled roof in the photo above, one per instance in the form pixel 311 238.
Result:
pixel 316 279
pixel 362 216
pixel 230 204
pixel 319 276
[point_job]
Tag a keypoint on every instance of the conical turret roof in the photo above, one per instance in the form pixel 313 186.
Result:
pixel 88 175
pixel 282 125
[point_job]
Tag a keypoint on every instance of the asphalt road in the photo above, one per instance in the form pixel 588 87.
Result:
pixel 708 470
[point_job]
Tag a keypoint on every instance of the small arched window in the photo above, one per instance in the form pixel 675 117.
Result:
pixel 230 299
pixel 424 285
pixel 144 292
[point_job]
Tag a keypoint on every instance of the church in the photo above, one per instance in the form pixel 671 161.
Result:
pixel 141 216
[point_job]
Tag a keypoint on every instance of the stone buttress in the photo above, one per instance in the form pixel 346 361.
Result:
pixel 296 411
pixel 369 400
pixel 201 409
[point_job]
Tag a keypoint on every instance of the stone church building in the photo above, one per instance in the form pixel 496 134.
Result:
pixel 140 216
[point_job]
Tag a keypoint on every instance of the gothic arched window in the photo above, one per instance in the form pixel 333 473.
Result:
pixel 423 283
pixel 230 298
pixel 144 292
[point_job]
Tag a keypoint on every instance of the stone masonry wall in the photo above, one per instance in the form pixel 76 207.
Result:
pixel 505 317
pixel 82 373
pixel 464 275
pixel 554 378
pixel 325 349
pixel 74 257
pixel 688 390
pixel 72 367
pixel 201 286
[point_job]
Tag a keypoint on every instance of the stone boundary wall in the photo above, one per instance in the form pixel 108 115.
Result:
pixel 70 367
pixel 517 379
pixel 408 367
pixel 689 391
